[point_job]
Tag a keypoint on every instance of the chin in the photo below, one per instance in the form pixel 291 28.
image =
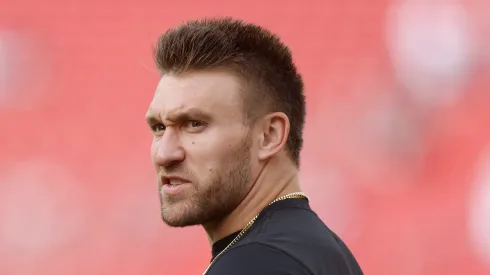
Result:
pixel 177 222
pixel 175 216
pixel 173 220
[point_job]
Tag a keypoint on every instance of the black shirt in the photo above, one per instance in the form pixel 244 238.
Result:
pixel 287 238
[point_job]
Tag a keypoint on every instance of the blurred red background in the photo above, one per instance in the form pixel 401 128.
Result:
pixel 396 158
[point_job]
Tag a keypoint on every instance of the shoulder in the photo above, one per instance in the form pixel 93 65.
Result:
pixel 257 258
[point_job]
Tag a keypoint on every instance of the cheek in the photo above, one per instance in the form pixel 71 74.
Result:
pixel 204 170
pixel 210 153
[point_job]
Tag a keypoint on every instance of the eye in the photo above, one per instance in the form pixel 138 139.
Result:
pixel 194 125
pixel 158 127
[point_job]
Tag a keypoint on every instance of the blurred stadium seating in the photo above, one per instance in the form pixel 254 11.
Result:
pixel 397 138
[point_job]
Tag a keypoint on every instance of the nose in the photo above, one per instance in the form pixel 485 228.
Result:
pixel 168 149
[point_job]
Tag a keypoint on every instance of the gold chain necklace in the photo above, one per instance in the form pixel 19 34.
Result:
pixel 296 195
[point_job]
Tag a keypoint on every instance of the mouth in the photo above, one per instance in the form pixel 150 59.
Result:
pixel 173 181
pixel 171 185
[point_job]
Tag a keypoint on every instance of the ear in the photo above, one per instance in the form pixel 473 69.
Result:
pixel 274 131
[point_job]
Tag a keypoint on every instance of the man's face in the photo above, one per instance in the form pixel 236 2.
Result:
pixel 201 148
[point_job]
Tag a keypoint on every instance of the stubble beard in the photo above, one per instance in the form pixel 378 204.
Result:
pixel 212 202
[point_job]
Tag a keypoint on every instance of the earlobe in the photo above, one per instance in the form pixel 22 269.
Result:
pixel 274 135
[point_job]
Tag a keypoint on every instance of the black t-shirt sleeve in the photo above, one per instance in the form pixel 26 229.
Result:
pixel 257 259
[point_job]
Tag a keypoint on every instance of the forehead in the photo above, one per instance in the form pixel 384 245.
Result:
pixel 213 92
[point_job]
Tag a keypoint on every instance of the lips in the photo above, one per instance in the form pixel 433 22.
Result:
pixel 173 185
pixel 173 180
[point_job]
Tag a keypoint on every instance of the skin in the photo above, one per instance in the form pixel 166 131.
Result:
pixel 232 170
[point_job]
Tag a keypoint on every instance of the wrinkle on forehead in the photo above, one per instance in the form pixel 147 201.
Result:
pixel 209 92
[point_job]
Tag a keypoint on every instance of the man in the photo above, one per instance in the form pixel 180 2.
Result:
pixel 227 119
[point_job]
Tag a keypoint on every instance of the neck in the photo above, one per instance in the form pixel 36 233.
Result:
pixel 275 180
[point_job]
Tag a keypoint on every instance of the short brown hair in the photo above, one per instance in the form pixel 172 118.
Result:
pixel 264 63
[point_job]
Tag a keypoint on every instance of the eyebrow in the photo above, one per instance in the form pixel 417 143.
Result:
pixel 178 116
pixel 151 119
